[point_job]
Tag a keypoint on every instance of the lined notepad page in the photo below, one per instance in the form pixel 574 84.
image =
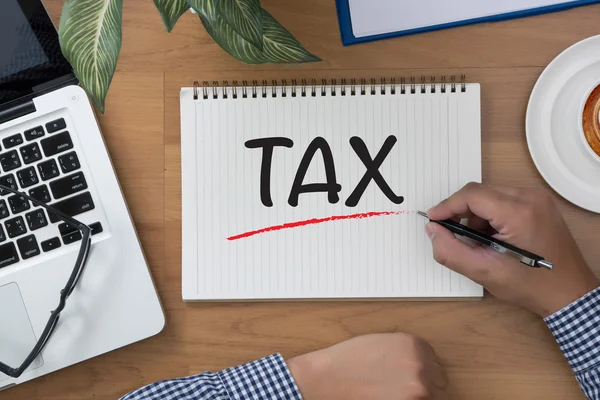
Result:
pixel 321 249
pixel 383 16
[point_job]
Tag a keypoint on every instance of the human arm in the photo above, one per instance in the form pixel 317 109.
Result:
pixel 576 329
pixel 385 366
pixel 565 297
pixel 267 378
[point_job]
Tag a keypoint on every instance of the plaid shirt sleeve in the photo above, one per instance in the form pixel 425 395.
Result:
pixel 268 378
pixel 576 329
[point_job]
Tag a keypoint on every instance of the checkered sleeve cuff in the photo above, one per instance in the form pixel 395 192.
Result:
pixel 576 329
pixel 268 378
pixel 197 387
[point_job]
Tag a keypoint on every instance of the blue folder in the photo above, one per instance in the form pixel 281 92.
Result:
pixel 348 38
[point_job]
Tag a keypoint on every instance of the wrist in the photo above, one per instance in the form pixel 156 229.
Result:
pixel 580 282
pixel 306 371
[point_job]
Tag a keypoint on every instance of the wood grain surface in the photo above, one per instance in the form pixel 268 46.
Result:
pixel 490 349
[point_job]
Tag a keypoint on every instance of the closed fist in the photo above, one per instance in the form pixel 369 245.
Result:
pixel 393 366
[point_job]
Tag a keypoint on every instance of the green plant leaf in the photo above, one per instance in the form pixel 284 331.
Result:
pixel 279 45
pixel 230 41
pixel 245 17
pixel 90 39
pixel 224 34
pixel 170 11
pixel 204 8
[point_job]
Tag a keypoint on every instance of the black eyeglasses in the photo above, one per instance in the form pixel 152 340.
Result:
pixel 84 250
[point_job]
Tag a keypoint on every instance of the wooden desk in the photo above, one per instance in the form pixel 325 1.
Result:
pixel 491 350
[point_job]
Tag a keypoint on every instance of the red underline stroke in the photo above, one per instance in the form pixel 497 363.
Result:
pixel 314 221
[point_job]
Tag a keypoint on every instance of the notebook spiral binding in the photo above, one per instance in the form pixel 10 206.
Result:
pixel 224 90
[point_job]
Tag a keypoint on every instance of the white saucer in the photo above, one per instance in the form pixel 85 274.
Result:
pixel 554 124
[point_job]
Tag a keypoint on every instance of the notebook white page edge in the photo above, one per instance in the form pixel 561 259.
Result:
pixel 470 143
pixel 189 191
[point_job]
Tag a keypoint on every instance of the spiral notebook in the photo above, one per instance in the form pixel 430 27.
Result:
pixel 310 190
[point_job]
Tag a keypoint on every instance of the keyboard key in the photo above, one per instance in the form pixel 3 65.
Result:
pixel 30 153
pixel 8 181
pixel 51 244
pixel 66 229
pixel 69 162
pixel 56 144
pixel 96 228
pixel 28 247
pixel 10 160
pixel 2 235
pixel 68 185
pixel 15 227
pixel 48 169
pixel 73 206
pixel 27 177
pixel 8 255
pixel 40 193
pixel 56 125
pixel 12 141
pixel 18 203
pixel 71 237
pixel 31 134
pixel 36 219
pixel 3 209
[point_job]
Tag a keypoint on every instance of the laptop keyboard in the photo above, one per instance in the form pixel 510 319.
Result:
pixel 42 163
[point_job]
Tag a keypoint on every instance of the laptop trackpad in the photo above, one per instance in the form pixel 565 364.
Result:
pixel 16 334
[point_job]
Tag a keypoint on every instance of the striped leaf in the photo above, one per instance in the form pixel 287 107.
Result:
pixel 90 39
pixel 230 41
pixel 244 16
pixel 170 11
pixel 224 34
pixel 279 45
pixel 205 8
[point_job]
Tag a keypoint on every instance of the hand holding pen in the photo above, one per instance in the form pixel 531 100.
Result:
pixel 525 257
pixel 515 219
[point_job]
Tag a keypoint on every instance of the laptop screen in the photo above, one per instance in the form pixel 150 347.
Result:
pixel 30 55
pixel 21 49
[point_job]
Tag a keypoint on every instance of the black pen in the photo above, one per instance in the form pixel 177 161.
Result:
pixel 524 256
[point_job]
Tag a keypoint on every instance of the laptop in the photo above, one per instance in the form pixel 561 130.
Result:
pixel 51 148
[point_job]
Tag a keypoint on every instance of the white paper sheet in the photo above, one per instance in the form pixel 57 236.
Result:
pixel 372 17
